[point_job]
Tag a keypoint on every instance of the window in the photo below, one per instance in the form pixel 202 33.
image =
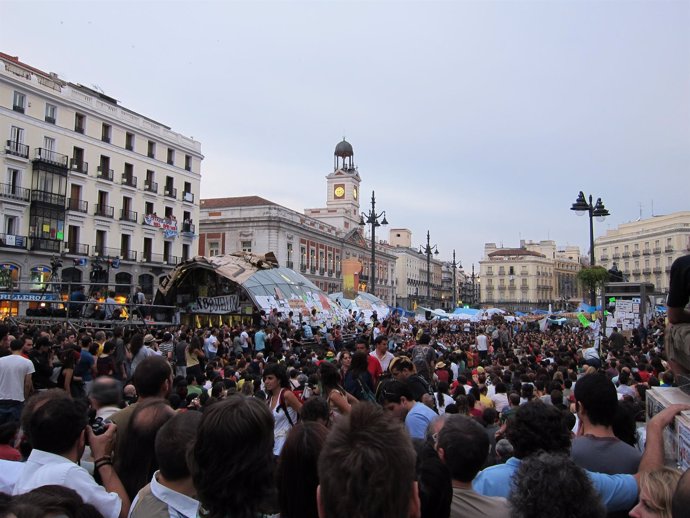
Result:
pixel 168 212
pixel 511 270
pixel 246 246
pixel 49 144
pixel 171 156
pixel 106 131
pixel 51 113
pixel 152 149
pixel 10 225
pixel 125 245
pixel 100 242
pixel 188 162
pixel 185 252
pixel 148 208
pixel 129 141
pixel 148 246
pixel 213 248
pixel 19 103
pixel 167 252
pixel 79 122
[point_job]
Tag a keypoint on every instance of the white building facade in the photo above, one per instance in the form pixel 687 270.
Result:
pixel 645 250
pixel 110 193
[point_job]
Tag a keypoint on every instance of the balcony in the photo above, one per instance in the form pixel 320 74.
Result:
pixel 50 120
pixel 489 288
pixel 636 253
pixel 303 268
pixel 128 215
pixel 151 187
pixel 668 269
pixel 77 205
pixel 616 256
pixel 604 257
pixel 104 211
pixel 13 241
pixel 170 192
pixel 18 108
pixel 48 198
pixel 129 180
pixel 188 228
pixel 79 128
pixel 171 259
pixel 646 251
pixel 17 149
pixel 657 250
pixel 76 248
pixel 657 270
pixel 636 272
pixel 13 192
pixel 668 249
pixel 626 255
pixel 104 251
pixel 154 258
pixel 647 271
pixel 489 273
pixel 46 245
pixel 79 166
pixel 128 255
pixel 105 174
pixel 188 197
pixel 50 157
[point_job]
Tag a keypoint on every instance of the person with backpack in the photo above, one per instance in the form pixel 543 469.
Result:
pixel 282 403
pixel 358 380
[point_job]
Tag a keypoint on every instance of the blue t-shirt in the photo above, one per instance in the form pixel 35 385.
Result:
pixel 618 492
pixel 84 366
pixel 259 341
pixel 418 419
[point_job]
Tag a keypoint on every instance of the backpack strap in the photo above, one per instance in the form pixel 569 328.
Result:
pixel 282 406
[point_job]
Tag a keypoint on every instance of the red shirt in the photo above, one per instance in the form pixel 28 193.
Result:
pixel 374 369
pixel 7 452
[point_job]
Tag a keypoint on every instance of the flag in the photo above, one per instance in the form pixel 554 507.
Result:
pixel 583 320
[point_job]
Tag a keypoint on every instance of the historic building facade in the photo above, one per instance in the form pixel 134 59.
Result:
pixel 644 250
pixel 109 193
pixel 315 242
pixel 534 275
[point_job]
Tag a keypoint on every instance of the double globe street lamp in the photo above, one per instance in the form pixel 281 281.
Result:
pixel 597 210
pixel 372 218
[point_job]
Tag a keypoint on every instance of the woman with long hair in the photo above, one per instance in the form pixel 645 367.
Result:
pixel 194 354
pixel 332 390
pixel 656 493
pixel 344 360
pixel 358 380
pixel 72 384
pixel 282 403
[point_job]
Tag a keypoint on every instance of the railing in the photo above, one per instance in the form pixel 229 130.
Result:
pixel 48 198
pixel 77 205
pixel 76 248
pixel 128 255
pixel 129 180
pixel 155 258
pixel 626 255
pixel 188 228
pixel 50 120
pixel 636 271
pixel 79 166
pixel 188 197
pixel 13 241
pixel 170 192
pixel 79 129
pixel 668 268
pixel 105 174
pixel 171 259
pixel 46 245
pixel 646 251
pixel 18 108
pixel 151 187
pixel 105 211
pixel 657 269
pixel 657 250
pixel 104 251
pixel 17 149
pixel 128 215
pixel 668 249
pixel 616 256
pixel 50 157
pixel 646 271
pixel 636 253
pixel 14 192
pixel 604 258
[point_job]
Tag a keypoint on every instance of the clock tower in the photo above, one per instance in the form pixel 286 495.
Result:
pixel 342 197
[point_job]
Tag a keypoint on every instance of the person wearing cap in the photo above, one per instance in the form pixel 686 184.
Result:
pixel 441 372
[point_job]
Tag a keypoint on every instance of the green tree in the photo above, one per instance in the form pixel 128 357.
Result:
pixel 593 277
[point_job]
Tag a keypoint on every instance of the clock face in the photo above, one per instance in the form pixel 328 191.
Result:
pixel 339 191
pixel 354 192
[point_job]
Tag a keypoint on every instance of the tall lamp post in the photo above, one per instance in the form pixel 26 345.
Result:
pixel 428 250
pixel 372 218
pixel 455 288
pixel 597 210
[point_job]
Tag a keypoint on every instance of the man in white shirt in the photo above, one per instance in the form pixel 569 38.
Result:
pixel 381 352
pixel 57 433
pixel 15 382
pixel 482 342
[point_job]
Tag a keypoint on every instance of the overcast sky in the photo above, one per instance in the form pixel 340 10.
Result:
pixel 479 121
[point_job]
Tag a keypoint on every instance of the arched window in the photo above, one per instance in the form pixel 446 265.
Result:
pixel 39 276
pixel 9 276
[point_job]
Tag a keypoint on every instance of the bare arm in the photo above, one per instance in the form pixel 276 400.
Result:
pixel 678 316
pixel 292 401
pixel 28 386
pixel 340 402
pixel 653 457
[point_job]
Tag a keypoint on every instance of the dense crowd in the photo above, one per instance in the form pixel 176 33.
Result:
pixel 377 418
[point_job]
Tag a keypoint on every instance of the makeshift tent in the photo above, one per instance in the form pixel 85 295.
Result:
pixel 242 284
pixel 365 302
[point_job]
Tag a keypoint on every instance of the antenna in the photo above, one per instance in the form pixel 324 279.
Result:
pixel 640 216
pixel 652 208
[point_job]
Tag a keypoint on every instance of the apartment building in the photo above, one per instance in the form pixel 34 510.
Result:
pixel 112 193
pixel 644 250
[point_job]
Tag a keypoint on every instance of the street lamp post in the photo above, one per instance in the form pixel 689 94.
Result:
pixel 428 250
pixel 372 218
pixel 597 210
pixel 455 289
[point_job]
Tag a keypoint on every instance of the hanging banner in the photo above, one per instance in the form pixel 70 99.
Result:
pixel 216 305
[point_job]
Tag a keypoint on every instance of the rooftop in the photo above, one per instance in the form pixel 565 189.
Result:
pixel 234 202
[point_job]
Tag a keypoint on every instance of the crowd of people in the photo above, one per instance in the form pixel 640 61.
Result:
pixel 418 419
